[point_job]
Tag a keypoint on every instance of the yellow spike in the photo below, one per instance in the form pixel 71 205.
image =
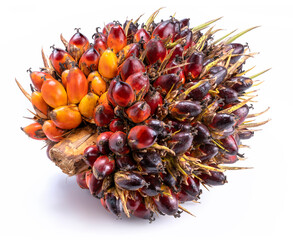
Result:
pixel 204 25
pixel 185 210
pixel 45 59
pixel 160 147
pixel 63 40
pixel 25 93
pixel 235 107
pixel 152 18
pixel 241 74
pixel 249 125
pixel 257 84
pixel 257 114
pixel 135 22
pixel 184 94
pixel 232 39
pixel 233 168
pixel 222 38
pixel 258 74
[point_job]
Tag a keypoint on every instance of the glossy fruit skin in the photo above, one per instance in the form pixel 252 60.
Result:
pixel 230 144
pixel 164 30
pixel 202 133
pixel 189 190
pixel 38 78
pixel 54 93
pixel 167 204
pixel 143 212
pixel 122 94
pixel 77 45
pixel 130 66
pixel 156 125
pixel 89 61
pixel 181 142
pixel 39 104
pixel 207 151
pixel 200 92
pixel 129 50
pixel 87 105
pixel 116 39
pixel 64 77
pixel 239 84
pixel 241 113
pixel 187 33
pixel 185 109
pixel 245 134
pixel 222 121
pixel 116 124
pixel 170 180
pixel 77 85
pixel 133 201
pixel 195 67
pixel 61 60
pixel 103 114
pixel 153 187
pixel 100 43
pixel 142 35
pixel 66 117
pixel 107 28
pixel 103 142
pixel 151 162
pixel 184 22
pixel 216 178
pixel 177 52
pixel 103 166
pixel 154 100
pixel 166 82
pixel 35 131
pixel 140 137
pixel 238 49
pixel 98 85
pixel 129 180
pixel 118 143
pixel 138 112
pixel 131 29
pixel 113 204
pixel 94 185
pixel 80 179
pixel 155 51
pixel 108 64
pixel 228 95
pixel 91 153
pixel 125 163
pixel 218 74
pixel 140 83
pixel 52 132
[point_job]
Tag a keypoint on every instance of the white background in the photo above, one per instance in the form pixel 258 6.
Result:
pixel 39 202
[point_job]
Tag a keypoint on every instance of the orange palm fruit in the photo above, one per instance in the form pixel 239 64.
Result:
pixel 38 78
pixel 77 85
pixel 52 132
pixel 54 93
pixel 116 39
pixel 91 76
pixel 40 106
pixel 77 45
pixel 35 131
pixel 89 61
pixel 98 85
pixel 103 98
pixel 61 60
pixel 66 117
pixel 108 64
pixel 129 50
pixel 64 77
pixel 87 105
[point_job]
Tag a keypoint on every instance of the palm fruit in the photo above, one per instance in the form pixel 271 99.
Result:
pixel 146 115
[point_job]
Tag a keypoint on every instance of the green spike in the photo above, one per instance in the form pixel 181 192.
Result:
pixel 232 39
pixel 222 38
pixel 256 75
pixel 204 25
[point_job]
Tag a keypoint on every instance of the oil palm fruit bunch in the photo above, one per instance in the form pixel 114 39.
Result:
pixel 146 114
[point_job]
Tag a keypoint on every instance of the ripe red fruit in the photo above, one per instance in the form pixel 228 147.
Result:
pixel 122 94
pixel 91 153
pixel 154 100
pixel 130 66
pixel 89 61
pixel 142 35
pixel 138 112
pixel 155 51
pixel 167 82
pixel 140 137
pixel 118 143
pixel 80 179
pixel 116 39
pixel 103 167
pixel 77 45
pixel 116 124
pixel 193 69
pixel 167 204
pixel 140 83
pixel 103 142
pixel 103 114
pixel 164 30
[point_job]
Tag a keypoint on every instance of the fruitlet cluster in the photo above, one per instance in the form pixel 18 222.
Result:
pixel 167 101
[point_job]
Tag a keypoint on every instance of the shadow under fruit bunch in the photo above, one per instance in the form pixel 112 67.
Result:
pixel 146 114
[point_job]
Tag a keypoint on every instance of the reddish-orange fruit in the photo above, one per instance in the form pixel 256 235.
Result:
pixel 107 28
pixel 64 77
pixel 116 39
pixel 54 93
pixel 66 117
pixel 98 85
pixel 108 64
pixel 138 112
pixel 35 131
pixel 103 114
pixel 132 49
pixel 61 60
pixel 100 43
pixel 89 61
pixel 77 45
pixel 38 78
pixel 142 36
pixel 140 83
pixel 77 85
pixel 103 98
pixel 52 132
pixel 130 66
pixel 40 106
